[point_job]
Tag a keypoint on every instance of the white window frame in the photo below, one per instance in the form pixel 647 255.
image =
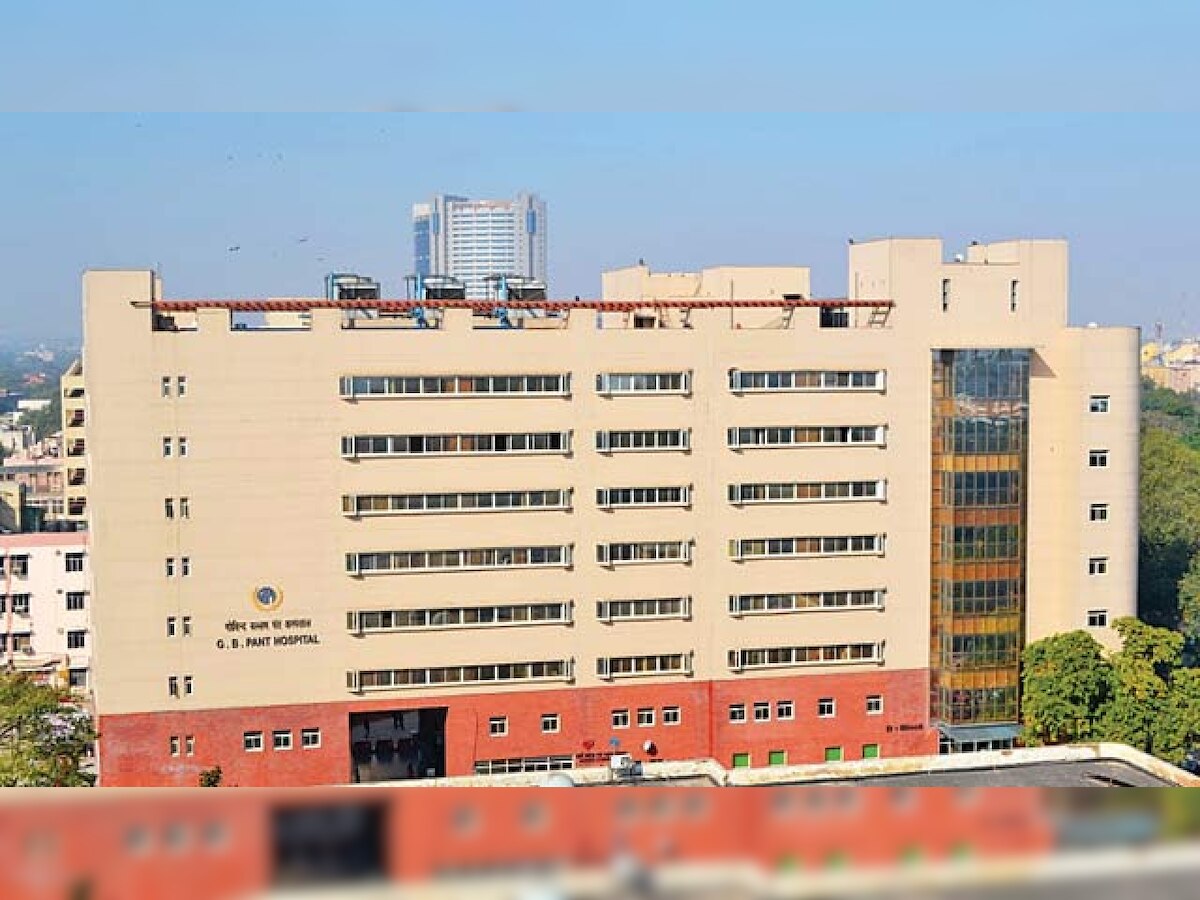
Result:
pixel 551 723
pixel 785 710
pixel 786 381
pixel 786 602
pixel 1099 404
pixel 252 741
pixel 281 739
pixel 604 553
pixel 646 717
pixel 828 490
pixel 762 711
pixel 738 547
pixel 605 444
pixel 607 670
pixel 1097 565
pixel 348 390
pixel 737 714
pixel 614 610
pixel 874 704
pixel 614 497
pixel 310 738
pixel 1098 512
pixel 827 708
pixel 1098 459
pixel 672 715
pixel 739 658
pixel 498 726
pixel 1097 618
pixel 620 718
pixel 607 384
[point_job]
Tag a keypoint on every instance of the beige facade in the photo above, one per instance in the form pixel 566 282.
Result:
pixel 201 497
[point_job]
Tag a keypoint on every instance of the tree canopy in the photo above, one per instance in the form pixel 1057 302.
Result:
pixel 44 736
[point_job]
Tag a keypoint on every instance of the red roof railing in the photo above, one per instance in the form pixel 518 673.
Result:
pixel 301 304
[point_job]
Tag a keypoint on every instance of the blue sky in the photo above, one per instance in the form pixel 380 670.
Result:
pixel 715 181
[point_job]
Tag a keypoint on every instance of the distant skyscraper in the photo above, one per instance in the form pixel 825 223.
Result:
pixel 472 239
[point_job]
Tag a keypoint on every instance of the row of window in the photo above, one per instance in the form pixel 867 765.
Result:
pixel 749 604
pixel 607 383
pixel 359 621
pixel 17 564
pixel 479 501
pixel 643 552
pixel 646 664
pixel 806 491
pixel 487 673
pixel 180 507
pixel 608 441
pixel 22 641
pixel 174 446
pixel 252 741
pixel 785 710
pixel 779 758
pixel 176 386
pixel 451 560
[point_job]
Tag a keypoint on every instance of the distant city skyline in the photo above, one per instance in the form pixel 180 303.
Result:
pixel 268 205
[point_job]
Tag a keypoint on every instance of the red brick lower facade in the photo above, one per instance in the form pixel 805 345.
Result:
pixel 137 749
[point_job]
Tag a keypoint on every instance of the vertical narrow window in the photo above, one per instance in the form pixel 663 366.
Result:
pixel 174 745
pixel 173 685
pixel 169 567
pixel 189 743
pixel 187 685
pixel 1014 295
pixel 166 447
pixel 170 626
pixel 183 446
pixel 169 508
pixel 184 508
pixel 187 626
pixel 185 566
pixel 166 386
pixel 945 294
pixel 181 386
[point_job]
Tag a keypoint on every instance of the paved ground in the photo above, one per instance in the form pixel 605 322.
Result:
pixel 1090 773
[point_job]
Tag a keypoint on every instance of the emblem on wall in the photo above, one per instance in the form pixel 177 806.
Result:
pixel 267 598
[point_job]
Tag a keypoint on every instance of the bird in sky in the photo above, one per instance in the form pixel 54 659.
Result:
pixel 235 248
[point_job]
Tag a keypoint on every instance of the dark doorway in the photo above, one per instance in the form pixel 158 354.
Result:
pixel 327 844
pixel 398 744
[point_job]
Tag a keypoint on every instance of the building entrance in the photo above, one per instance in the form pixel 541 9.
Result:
pixel 396 745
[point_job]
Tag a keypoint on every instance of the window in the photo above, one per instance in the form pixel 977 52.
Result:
pixel 870 751
pixel 281 740
pixel 310 738
pixel 806 436
pixel 754 604
pixel 368 386
pixel 169 508
pixel 171 626
pixel 406 561
pixel 1098 459
pixel 741 760
pixel 1014 295
pixel 181 385
pixel 1098 565
pixel 806 492
pixel 189 744
pixel 650 664
pixel 76 640
pixel 187 626
pixel 608 498
pixel 645 717
pixel 185 566
pixel 828 654
pixel 945 294
pixel 187 685
pixel 444 676
pixel 762 712
pixel 833 754
pixel 185 511
pixel 620 718
pixel 74 562
pixel 638 441
pixel 173 685
pixel 785 710
pixel 550 723
pixel 169 567
pixel 671 715
pixel 1098 403
pixel 167 444
pixel 826 708
pixel 805 380
pixel 507 443
pixel 166 385
pixel 20 604
pixel 836 545
pixel 183 446
pixel 737 712
pixel 1097 618
pixel 1098 512
pixel 649 608
pixel 609 383
pixel 174 745
pixel 361 621
pixel 644 552
pixel 776 757
pixel 875 705
pixel 524 764
pixel 78 678
pixel 435 504
pixel 498 726
pixel 252 741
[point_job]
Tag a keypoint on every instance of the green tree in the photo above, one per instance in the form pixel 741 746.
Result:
pixel 1143 668
pixel 211 777
pixel 1066 685
pixel 44 737
pixel 1177 724
pixel 1189 611
pixel 1170 523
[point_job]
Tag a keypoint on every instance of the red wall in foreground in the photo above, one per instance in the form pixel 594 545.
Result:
pixel 135 748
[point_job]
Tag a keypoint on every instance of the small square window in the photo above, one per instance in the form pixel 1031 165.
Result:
pixel 1098 565
pixel 737 712
pixel 776 757
pixel 310 738
pixel 252 741
pixel 550 723
pixel 645 717
pixel 1097 618
pixel 498 726
pixel 1098 512
pixel 73 562
pixel 76 600
pixel 826 708
pixel 762 712
pixel 1098 403
pixel 1098 459
pixel 76 640
pixel 189 745
pixel 620 718
pixel 670 715
pixel 174 745
pixel 281 740
pixel 875 705
pixel 785 710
